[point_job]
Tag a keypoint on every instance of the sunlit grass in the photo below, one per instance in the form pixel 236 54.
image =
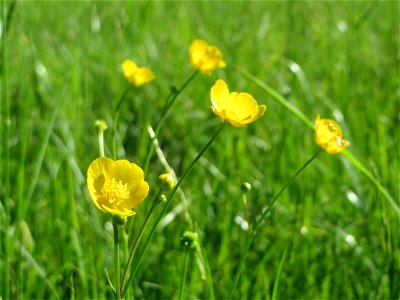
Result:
pixel 332 234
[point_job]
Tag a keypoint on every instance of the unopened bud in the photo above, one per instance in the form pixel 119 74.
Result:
pixel 101 125
pixel 163 198
pixel 189 239
pixel 245 187
pixel 166 182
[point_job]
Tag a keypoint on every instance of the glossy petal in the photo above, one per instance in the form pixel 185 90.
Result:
pixel 129 68
pixel 143 76
pixel 219 95
pixel 116 186
pixel 238 109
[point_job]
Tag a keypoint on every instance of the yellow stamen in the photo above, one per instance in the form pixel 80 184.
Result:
pixel 114 192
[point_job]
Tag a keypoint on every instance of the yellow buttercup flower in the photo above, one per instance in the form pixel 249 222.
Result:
pixel 328 135
pixel 136 75
pixel 238 109
pixel 116 186
pixel 204 57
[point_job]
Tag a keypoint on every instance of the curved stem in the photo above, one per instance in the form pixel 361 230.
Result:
pixel 137 240
pixel 166 207
pixel 167 107
pixel 263 216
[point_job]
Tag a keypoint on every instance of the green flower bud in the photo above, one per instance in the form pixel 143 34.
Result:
pixel 101 125
pixel 189 239
pixel 245 187
pixel 166 182
pixel 163 198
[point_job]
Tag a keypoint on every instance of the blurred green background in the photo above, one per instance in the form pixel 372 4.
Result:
pixel 60 71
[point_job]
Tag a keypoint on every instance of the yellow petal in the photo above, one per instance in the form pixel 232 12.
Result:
pixel 120 212
pixel 326 130
pixel 96 176
pixel 260 112
pixel 204 57
pixel 196 52
pixel 126 172
pixel 211 60
pixel 245 107
pixel 129 69
pixel 143 76
pixel 138 194
pixel 219 95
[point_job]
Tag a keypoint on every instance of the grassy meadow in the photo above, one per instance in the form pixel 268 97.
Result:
pixel 332 234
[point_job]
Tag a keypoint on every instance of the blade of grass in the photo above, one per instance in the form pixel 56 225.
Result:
pixel 278 276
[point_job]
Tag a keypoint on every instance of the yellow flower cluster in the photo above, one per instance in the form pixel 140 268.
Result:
pixel 118 186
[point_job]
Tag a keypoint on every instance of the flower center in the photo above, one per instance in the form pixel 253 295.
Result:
pixel 114 192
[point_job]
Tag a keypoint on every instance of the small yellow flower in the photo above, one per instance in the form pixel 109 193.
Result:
pixel 136 75
pixel 116 186
pixel 238 109
pixel 329 135
pixel 204 57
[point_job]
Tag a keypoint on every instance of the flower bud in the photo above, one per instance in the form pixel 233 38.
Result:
pixel 166 182
pixel 245 187
pixel 162 198
pixel 100 125
pixel 189 239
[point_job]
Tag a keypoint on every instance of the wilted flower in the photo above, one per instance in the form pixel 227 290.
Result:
pixel 116 186
pixel 204 57
pixel 238 109
pixel 329 135
pixel 136 75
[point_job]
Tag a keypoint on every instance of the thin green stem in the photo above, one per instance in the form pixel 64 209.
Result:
pixel 166 207
pixel 135 244
pixel 116 258
pixel 245 211
pixel 166 109
pixel 121 99
pixel 301 116
pixel 116 113
pixel 101 143
pixel 185 267
pixel 262 217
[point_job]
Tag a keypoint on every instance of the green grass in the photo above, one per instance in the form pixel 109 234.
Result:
pixel 60 71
